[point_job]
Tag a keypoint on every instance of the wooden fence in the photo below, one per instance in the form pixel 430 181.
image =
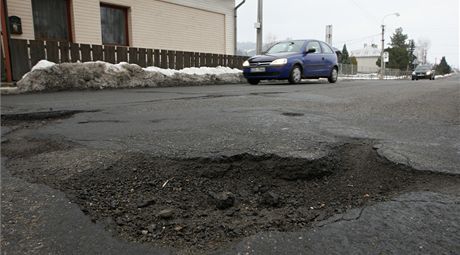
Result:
pixel 26 53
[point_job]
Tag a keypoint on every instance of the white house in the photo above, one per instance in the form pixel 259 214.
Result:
pixel 367 58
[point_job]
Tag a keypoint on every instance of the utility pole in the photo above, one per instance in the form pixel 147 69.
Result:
pixel 258 27
pixel 425 53
pixel 382 61
pixel 329 34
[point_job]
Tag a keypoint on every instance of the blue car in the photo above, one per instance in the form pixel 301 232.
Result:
pixel 293 60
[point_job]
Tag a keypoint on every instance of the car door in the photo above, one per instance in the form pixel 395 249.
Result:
pixel 313 63
pixel 329 58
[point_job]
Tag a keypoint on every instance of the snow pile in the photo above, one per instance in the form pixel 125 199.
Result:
pixel 443 76
pixel 48 76
pixel 42 64
pixel 195 70
pixel 370 76
pixel 376 76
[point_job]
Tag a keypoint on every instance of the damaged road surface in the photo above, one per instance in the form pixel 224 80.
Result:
pixel 224 176
pixel 203 203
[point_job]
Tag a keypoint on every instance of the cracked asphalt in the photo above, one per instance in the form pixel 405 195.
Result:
pixel 412 123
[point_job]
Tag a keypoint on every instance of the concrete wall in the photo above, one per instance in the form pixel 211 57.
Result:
pixel 199 25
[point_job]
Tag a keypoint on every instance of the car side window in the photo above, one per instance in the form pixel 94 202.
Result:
pixel 314 45
pixel 326 48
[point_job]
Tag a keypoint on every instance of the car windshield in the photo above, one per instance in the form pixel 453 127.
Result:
pixel 290 46
pixel 423 68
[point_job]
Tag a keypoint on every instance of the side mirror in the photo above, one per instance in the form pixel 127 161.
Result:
pixel 311 50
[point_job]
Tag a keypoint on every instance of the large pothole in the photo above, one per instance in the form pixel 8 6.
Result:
pixel 11 119
pixel 199 204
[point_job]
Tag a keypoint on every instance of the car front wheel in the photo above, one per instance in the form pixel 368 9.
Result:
pixel 333 77
pixel 296 75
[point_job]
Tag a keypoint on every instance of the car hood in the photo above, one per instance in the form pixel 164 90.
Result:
pixel 271 57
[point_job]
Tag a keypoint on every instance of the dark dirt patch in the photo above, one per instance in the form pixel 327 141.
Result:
pixel 292 114
pixel 15 118
pixel 200 204
pixel 266 93
pixel 204 97
pixel 101 121
pixel 157 120
pixel 28 146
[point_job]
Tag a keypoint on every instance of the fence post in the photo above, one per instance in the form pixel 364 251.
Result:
pixel 202 59
pixel 64 48
pixel 142 54
pixel 52 51
pixel 156 58
pixel 97 52
pixel 197 59
pixel 122 54
pixel 19 58
pixel 109 54
pixel 179 60
pixel 85 52
pixel 37 51
pixel 133 57
pixel 164 59
pixel 75 52
pixel 171 59
pixel 149 57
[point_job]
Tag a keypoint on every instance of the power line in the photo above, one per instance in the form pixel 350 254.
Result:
pixel 368 14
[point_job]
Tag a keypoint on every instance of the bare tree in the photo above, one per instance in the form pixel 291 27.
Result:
pixel 270 39
pixel 422 47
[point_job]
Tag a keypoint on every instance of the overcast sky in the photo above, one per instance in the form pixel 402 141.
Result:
pixel 356 22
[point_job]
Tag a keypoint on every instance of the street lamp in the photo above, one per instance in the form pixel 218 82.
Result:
pixel 382 62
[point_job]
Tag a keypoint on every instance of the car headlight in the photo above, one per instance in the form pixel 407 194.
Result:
pixel 428 73
pixel 279 62
pixel 413 73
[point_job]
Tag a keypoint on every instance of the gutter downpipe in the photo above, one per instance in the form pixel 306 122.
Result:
pixel 5 33
pixel 235 27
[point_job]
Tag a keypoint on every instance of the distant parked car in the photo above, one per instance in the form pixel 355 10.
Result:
pixel 424 72
pixel 293 60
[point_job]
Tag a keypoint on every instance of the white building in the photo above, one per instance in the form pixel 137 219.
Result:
pixel 367 58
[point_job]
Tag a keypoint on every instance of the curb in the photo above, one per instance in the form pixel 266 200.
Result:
pixel 9 91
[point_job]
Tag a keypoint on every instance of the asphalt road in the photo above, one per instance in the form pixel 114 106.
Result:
pixel 415 123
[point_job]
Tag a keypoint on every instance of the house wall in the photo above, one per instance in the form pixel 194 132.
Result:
pixel 22 9
pixel 199 25
pixel 367 64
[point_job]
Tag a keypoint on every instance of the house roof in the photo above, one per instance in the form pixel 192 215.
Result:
pixel 367 51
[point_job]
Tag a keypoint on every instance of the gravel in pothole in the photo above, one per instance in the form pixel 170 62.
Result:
pixel 200 204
